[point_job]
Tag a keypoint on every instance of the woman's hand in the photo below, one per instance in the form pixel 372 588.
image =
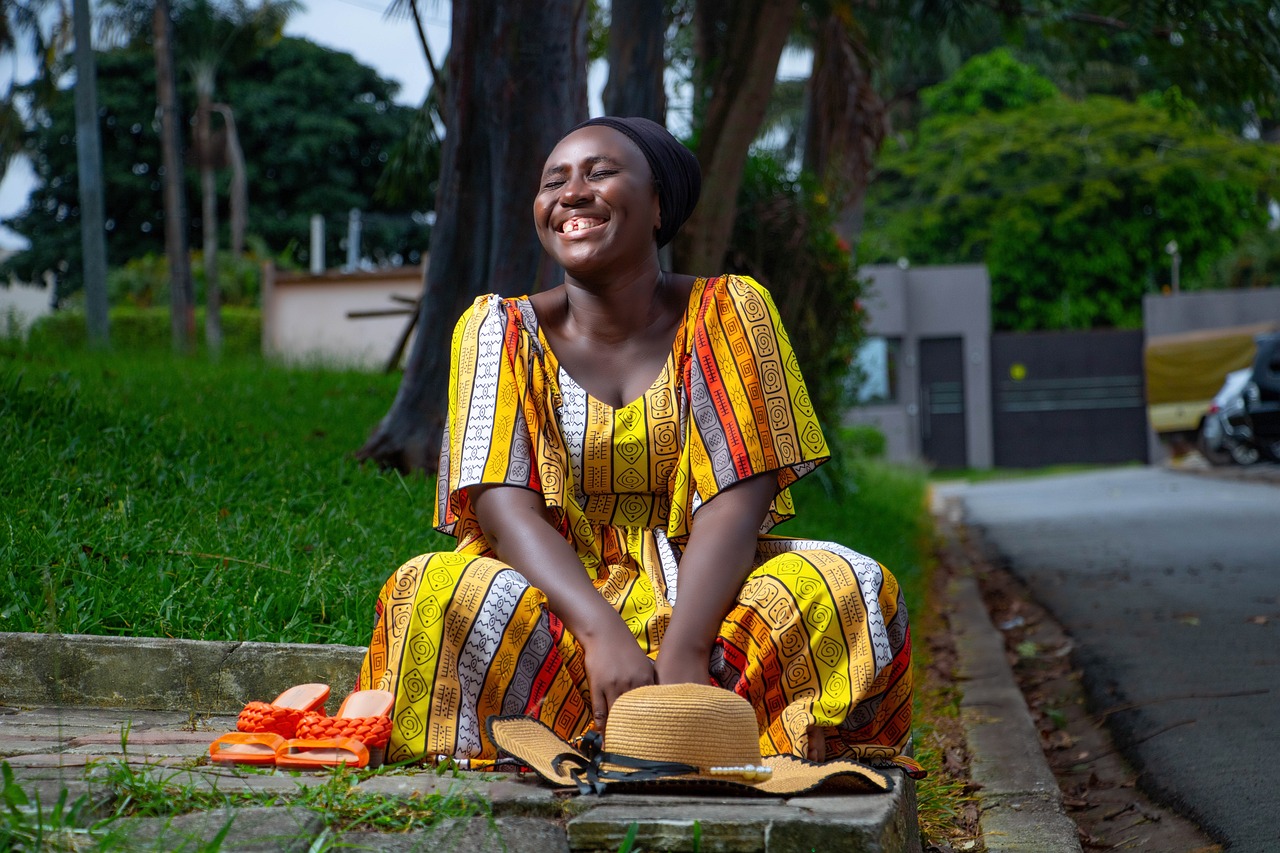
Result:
pixel 516 526
pixel 716 561
pixel 613 668
pixel 682 665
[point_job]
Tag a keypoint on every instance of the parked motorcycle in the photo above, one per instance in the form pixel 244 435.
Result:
pixel 1243 423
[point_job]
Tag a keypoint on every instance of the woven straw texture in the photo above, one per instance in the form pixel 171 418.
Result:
pixel 654 723
pixel 693 724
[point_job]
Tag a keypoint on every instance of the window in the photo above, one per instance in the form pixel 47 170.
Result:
pixel 873 373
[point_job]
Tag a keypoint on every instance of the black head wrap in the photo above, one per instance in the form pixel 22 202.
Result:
pixel 674 168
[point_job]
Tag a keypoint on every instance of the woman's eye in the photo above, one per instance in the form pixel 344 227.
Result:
pixel 603 173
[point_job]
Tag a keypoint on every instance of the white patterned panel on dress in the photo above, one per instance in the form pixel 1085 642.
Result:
pixel 477 652
pixel 573 423
pixel 670 562
pixel 480 408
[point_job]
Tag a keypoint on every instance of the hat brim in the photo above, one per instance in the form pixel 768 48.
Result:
pixel 533 743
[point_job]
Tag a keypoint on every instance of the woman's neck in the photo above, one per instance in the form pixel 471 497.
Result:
pixel 617 309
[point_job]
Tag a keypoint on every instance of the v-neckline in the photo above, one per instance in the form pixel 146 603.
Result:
pixel 664 372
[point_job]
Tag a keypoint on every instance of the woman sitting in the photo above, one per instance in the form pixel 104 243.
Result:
pixel 616 450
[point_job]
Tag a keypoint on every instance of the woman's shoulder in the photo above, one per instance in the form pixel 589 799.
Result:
pixel 492 315
pixel 732 292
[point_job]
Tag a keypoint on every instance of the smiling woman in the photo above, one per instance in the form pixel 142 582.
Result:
pixel 626 435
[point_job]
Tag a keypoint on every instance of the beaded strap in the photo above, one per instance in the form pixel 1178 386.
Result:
pixel 371 731
pixel 265 717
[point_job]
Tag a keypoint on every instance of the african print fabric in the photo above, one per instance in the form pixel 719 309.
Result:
pixel 818 635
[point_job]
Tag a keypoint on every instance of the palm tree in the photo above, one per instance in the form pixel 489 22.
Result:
pixel 40 29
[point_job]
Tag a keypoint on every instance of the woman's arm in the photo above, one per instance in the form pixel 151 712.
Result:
pixel 716 562
pixel 515 524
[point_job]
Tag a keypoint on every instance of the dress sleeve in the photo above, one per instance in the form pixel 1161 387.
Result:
pixel 488 436
pixel 748 411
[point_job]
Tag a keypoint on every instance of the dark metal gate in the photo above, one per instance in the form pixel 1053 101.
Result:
pixel 942 433
pixel 1068 397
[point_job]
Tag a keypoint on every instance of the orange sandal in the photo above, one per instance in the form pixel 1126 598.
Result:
pixel 283 715
pixel 263 727
pixel 363 724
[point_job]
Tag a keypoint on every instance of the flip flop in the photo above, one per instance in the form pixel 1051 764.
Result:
pixel 246 748
pixel 264 726
pixel 355 737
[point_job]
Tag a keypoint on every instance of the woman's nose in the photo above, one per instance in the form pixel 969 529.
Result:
pixel 575 190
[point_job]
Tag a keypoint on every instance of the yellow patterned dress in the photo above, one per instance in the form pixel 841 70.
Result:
pixel 819 633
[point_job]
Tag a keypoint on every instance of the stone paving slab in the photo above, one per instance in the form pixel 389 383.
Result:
pixel 251 830
pixel 473 835
pixel 839 824
pixel 506 794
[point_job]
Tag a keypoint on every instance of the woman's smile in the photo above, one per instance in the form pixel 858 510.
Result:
pixel 579 224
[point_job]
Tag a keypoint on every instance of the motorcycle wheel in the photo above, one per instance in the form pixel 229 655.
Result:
pixel 1243 454
pixel 1213 457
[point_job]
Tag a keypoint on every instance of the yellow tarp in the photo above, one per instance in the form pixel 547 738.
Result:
pixel 1185 371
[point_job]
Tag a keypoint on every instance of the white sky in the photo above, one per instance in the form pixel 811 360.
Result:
pixel 357 27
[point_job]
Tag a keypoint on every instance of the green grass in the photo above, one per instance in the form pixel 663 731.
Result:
pixel 154 495
pixel 161 496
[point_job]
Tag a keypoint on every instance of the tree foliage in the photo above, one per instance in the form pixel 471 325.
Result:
pixel 1070 203
pixel 316 127
pixel 785 237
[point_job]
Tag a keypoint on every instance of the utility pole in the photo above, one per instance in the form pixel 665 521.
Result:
pixel 93 239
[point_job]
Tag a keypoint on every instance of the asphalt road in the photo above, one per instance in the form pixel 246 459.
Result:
pixel 1169 585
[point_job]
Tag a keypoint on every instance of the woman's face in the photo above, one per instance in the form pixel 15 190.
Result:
pixel 597 205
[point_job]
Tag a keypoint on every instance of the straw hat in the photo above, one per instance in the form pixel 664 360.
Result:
pixel 684 735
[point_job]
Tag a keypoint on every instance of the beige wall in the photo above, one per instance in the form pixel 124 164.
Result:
pixel 305 318
pixel 21 305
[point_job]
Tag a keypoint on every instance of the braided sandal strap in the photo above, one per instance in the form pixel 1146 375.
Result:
pixel 265 717
pixel 371 731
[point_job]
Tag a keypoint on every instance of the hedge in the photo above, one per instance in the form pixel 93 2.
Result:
pixel 148 329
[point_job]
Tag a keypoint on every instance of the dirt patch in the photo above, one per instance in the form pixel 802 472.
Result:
pixel 1100 790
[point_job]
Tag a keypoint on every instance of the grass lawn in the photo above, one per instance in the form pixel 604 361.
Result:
pixel 151 495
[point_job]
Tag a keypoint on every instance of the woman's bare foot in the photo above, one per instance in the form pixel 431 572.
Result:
pixel 817 750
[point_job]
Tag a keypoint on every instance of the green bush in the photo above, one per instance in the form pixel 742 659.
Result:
pixel 144 282
pixel 861 441
pixel 784 236
pixel 1070 204
pixel 143 329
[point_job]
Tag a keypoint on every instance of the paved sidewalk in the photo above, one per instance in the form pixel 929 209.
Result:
pixel 82 750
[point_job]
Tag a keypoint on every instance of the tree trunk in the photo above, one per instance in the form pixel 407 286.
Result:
pixel 739 43
pixel 89 162
pixel 517 82
pixel 181 298
pixel 636 61
pixel 209 223
pixel 239 201
pixel 845 123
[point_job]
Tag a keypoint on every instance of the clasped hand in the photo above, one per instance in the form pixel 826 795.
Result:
pixel 615 668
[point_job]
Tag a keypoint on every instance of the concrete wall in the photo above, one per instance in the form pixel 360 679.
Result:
pixel 21 305
pixel 931 302
pixel 1189 312
pixel 305 317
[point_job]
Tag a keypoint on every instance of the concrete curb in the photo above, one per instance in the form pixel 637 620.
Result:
pixel 162 674
pixel 1020 803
